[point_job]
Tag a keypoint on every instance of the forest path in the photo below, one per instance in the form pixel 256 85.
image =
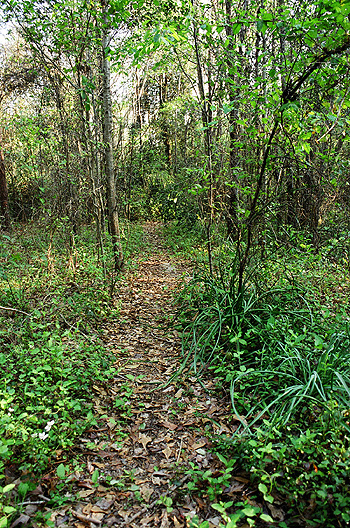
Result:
pixel 148 431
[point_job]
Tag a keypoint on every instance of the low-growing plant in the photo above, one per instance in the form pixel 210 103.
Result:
pixel 309 470
pixel 208 483
pixel 167 502
pixel 6 510
pixel 280 347
pixel 46 395
pixel 225 324
pixel 233 514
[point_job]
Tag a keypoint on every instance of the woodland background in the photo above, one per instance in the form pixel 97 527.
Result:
pixel 228 121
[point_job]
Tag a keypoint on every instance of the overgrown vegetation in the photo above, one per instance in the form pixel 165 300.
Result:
pixel 55 303
pixel 279 348
pixel 229 123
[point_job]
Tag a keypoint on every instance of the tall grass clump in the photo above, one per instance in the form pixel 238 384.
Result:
pixel 279 348
pixel 269 342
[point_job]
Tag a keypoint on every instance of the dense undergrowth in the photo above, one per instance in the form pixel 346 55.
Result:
pixel 279 349
pixel 54 296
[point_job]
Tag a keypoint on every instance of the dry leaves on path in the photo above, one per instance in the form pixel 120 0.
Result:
pixel 147 432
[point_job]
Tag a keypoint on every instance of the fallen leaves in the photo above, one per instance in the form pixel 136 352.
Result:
pixel 85 493
pixel 169 425
pixel 199 445
pixel 146 492
pixel 167 452
pixel 135 448
pixel 88 516
pixel 179 393
pixel 144 440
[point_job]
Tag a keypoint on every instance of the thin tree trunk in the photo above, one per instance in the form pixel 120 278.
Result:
pixel 232 216
pixel 208 147
pixel 163 82
pixel 4 200
pixel 108 141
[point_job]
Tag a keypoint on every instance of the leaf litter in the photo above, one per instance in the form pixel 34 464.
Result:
pixel 148 432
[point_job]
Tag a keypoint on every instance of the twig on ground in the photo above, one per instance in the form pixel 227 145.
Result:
pixel 31 502
pixel 13 310
pixel 44 499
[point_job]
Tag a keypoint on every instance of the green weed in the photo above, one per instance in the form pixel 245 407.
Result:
pixel 280 347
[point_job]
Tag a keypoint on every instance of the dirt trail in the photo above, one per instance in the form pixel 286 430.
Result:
pixel 147 434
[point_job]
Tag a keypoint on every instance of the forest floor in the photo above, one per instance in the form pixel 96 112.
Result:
pixel 100 424
pixel 135 464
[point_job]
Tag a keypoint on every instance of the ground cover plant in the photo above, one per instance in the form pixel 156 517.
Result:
pixel 53 300
pixel 279 349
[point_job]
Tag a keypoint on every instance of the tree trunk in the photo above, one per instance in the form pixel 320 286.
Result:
pixel 206 119
pixel 163 82
pixel 232 205
pixel 4 200
pixel 108 142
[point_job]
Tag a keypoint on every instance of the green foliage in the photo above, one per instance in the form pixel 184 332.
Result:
pixel 51 353
pixel 46 392
pixel 296 378
pixel 228 323
pixel 280 347
pixel 206 482
pixel 167 502
pixel 309 469
pixel 5 509
pixel 190 241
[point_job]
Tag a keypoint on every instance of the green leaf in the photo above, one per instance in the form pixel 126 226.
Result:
pixel 95 476
pixel 8 488
pixel 218 507
pixel 61 471
pixel 318 342
pixel 306 147
pixel 250 511
pixel 266 518
pixel 264 491
pixel 236 28
pixel 9 509
pixel 221 458
pixel 262 488
pixel 261 26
